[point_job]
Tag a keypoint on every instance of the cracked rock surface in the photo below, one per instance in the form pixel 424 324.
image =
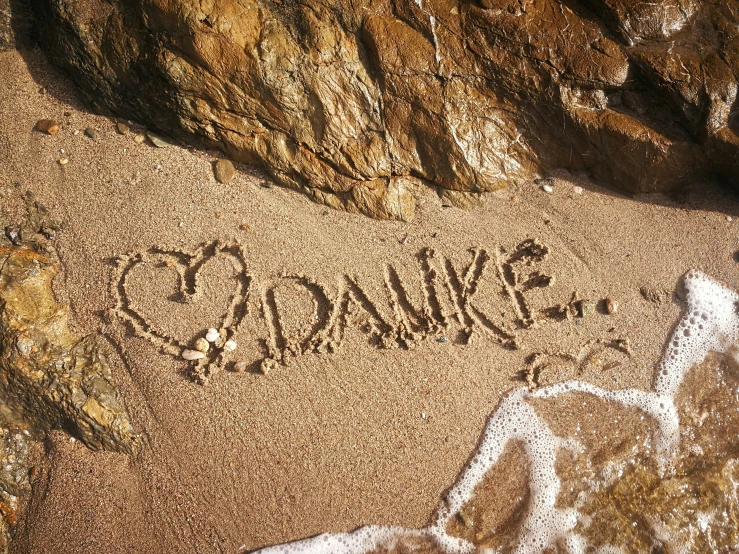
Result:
pixel 355 102
pixel 49 378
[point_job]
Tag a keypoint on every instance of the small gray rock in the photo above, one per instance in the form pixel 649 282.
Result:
pixel 122 128
pixel 90 132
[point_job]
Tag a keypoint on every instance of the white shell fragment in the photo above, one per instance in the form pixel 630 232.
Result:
pixel 547 188
pixel 191 355
pixel 230 345
pixel 212 335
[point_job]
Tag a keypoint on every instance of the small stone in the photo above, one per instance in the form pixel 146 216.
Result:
pixel 138 139
pixel 13 232
pixel 656 296
pixel 611 306
pixel 244 227
pixel 224 171
pixel 729 218
pixel 122 128
pixel 158 141
pixel 240 366
pixel 577 190
pixel 547 188
pixel 202 345
pixel 442 339
pixel 76 132
pixel 90 132
pixel 212 335
pixel 585 308
pixel 230 345
pixel 192 355
pixel 48 126
pixel 63 161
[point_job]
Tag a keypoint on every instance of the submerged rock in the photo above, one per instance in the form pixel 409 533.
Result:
pixel 342 101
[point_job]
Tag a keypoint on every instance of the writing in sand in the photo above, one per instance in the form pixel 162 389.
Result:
pixel 487 296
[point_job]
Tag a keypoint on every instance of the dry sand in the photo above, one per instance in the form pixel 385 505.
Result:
pixel 329 441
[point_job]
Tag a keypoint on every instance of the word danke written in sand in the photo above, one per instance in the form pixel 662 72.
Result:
pixel 299 315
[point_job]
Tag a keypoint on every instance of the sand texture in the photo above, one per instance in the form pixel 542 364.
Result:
pixel 374 351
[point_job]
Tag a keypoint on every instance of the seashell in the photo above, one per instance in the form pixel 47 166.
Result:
pixel 191 355
pixel 230 345
pixel 212 335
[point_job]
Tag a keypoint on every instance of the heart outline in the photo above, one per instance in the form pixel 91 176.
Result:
pixel 188 266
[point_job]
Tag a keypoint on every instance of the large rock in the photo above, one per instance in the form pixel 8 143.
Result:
pixel 355 102
pixel 15 24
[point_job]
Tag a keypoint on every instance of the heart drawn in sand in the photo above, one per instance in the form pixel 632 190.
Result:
pixel 171 296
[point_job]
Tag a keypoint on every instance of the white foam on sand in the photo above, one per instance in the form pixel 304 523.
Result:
pixel 710 323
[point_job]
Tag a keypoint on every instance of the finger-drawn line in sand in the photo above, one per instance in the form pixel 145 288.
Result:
pixel 462 286
pixel 517 283
pixel 313 336
pixel 590 355
pixel 188 267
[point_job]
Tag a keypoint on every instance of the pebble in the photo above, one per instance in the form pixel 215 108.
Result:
pixel 577 190
pixel 230 345
pixel 202 345
pixel 191 355
pixel 547 188
pixel 138 139
pixel 611 306
pixel 122 128
pixel 729 218
pixel 586 308
pixel 90 132
pixel 212 335
pixel 224 171
pixel 158 141
pixel 63 161
pixel 48 126
pixel 442 339
pixel 240 366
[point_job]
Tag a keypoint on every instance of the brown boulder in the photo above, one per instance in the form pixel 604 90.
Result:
pixel 353 103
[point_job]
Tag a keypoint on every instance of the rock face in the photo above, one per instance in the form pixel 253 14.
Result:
pixel 49 378
pixel 15 24
pixel 356 102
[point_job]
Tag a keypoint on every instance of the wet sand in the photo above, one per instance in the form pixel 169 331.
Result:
pixel 325 441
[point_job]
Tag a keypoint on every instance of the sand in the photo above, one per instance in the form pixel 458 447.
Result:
pixel 325 441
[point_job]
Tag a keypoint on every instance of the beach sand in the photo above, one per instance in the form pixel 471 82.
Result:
pixel 362 433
